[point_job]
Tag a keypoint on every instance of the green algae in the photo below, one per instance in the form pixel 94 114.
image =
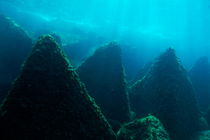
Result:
pixel 48 101
pixel 148 128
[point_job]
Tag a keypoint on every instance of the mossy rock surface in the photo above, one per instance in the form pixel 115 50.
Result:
pixel 103 76
pixel 48 101
pixel 148 128
pixel 167 92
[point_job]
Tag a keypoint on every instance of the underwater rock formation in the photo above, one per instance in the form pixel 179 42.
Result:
pixel 48 101
pixel 166 92
pixel 103 75
pixel 15 45
pixel 148 128
pixel 200 77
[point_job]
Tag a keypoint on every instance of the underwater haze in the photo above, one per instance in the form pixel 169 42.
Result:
pixel 181 24
pixel 105 69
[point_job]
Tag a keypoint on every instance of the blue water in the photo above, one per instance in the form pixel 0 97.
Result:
pixel 148 26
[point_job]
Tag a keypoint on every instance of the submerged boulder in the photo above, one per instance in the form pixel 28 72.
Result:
pixel 166 92
pixel 200 77
pixel 148 128
pixel 103 75
pixel 15 45
pixel 48 101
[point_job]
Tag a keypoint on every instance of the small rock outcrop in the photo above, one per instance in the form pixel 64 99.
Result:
pixel 48 101
pixel 148 128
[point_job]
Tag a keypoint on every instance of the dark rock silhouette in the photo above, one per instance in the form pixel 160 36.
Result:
pixel 15 46
pixel 148 128
pixel 200 77
pixel 48 101
pixel 104 77
pixel 166 92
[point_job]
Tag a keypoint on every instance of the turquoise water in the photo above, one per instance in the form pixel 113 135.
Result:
pixel 184 24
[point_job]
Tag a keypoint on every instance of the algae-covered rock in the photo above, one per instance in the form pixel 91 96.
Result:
pixel 202 135
pixel 167 92
pixel 48 101
pixel 148 128
pixel 200 76
pixel 15 45
pixel 103 75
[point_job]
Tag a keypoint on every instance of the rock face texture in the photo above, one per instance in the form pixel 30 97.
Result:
pixel 48 101
pixel 200 77
pixel 167 93
pixel 148 128
pixel 103 75
pixel 15 46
